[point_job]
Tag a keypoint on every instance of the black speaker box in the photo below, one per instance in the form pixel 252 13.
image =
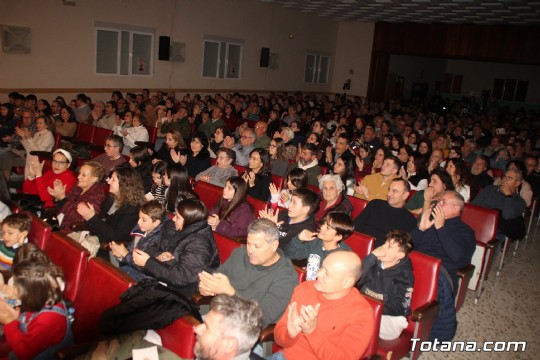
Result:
pixel 265 56
pixel 164 48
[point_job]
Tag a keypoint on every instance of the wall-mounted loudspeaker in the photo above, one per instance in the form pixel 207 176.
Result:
pixel 265 56
pixel 164 48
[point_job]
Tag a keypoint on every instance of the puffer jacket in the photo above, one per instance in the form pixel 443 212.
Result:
pixel 194 250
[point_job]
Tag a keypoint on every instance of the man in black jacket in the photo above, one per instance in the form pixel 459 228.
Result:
pixel 388 276
pixel 380 216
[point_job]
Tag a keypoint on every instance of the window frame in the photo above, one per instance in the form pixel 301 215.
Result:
pixel 224 44
pixel 132 30
pixel 317 68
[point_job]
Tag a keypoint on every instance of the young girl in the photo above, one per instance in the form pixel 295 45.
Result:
pixel 296 179
pixel 232 214
pixel 41 326
pixel 176 179
pixel 158 188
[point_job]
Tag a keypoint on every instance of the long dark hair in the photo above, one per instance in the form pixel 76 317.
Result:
pixel 131 188
pixel 180 187
pixel 298 178
pixel 5 196
pixel 265 159
pixel 240 188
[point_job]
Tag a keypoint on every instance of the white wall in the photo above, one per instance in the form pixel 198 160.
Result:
pixel 63 44
pixel 353 52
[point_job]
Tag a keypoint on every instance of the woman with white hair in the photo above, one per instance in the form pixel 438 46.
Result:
pixel 332 196
pixel 287 135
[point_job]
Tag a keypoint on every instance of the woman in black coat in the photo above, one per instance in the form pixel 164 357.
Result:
pixel 126 195
pixel 140 160
pixel 198 159
pixel 258 176
pixel 187 247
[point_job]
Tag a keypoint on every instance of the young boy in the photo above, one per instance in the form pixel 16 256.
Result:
pixel 15 229
pixel 388 276
pixel 298 217
pixel 336 227
pixel 145 233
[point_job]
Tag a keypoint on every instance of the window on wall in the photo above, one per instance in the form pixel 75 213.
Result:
pixel 317 69
pixel 510 89
pixel 124 50
pixel 222 58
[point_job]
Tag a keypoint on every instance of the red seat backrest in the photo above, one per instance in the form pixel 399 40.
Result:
pixel 256 204
pixel 314 188
pixel 497 173
pixel 213 161
pixel 208 193
pixel 101 287
pixel 72 258
pixel 482 220
pixel 225 246
pixel 377 307
pixel 40 232
pixel 301 272
pixel 324 170
pixel 152 134
pixel 85 132
pixel 179 337
pixel 279 181
pixel 361 244
pixel 100 136
pixel 358 205
pixel 426 279
pixel 241 169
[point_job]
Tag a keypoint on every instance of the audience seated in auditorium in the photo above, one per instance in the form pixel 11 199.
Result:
pixel 258 271
pixel 281 197
pixel 375 186
pixel 112 157
pixel 232 214
pixel 197 158
pixel 309 163
pixel 333 196
pixel 440 181
pixel 381 216
pixel 257 176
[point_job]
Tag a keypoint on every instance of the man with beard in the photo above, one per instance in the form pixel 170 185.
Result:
pixel 308 162
pixel 229 330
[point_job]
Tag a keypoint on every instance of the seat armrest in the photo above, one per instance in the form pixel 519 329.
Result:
pixel 267 334
pixel 71 352
pixel 492 243
pixel 466 271
pixel 82 226
pixel 426 312
pixel 200 299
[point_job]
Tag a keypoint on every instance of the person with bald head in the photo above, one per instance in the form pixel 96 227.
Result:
pixel 327 318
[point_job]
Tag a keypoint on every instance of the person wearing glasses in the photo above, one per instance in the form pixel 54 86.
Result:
pixel 38 183
pixel 112 157
pixel 442 234
pixel 242 149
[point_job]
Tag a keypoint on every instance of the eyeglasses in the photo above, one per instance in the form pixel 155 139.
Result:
pixel 445 201
pixel 56 162
pixel 109 146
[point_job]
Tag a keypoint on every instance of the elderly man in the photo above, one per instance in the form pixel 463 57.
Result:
pixel 327 318
pixel 230 329
pixel 257 271
pixel 375 186
pixel 107 121
pixel 243 149
pixel 505 198
pixel 443 235
pixel 308 162
pixel 380 216
pixel 208 127
pixel 262 140
pixel 479 178
pixel 179 121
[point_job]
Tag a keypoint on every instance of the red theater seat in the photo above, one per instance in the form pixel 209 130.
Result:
pixel 72 258
pixel 179 337
pixel 358 205
pixel 208 193
pixel 40 232
pixel 256 204
pixel 424 307
pixel 225 246
pixel 101 287
pixel 361 244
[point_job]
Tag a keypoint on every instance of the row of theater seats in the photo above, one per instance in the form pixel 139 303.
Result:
pixel 92 286
pixel 424 302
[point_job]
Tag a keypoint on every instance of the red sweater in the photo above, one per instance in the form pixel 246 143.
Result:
pixel 39 185
pixel 46 329
pixel 344 327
